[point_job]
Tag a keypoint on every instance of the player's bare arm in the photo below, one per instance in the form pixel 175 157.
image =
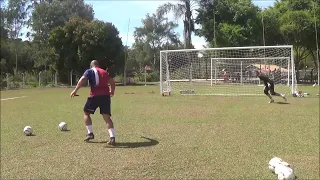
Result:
pixel 80 84
pixel 112 86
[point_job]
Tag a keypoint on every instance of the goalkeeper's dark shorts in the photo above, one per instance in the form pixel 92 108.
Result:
pixel 270 88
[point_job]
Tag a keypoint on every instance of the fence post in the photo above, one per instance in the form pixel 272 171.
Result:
pixel 56 78
pixel 40 78
pixel 71 78
pixel 77 80
pixel 7 76
pixel 23 81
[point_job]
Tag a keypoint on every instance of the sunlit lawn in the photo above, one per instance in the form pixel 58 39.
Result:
pixel 177 137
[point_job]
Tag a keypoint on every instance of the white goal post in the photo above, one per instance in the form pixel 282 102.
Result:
pixel 226 71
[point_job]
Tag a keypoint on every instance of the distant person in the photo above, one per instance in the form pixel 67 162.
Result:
pixel 311 75
pixel 99 97
pixel 268 86
pixel 225 76
pixel 238 77
pixel 250 74
pixel 305 75
pixel 274 74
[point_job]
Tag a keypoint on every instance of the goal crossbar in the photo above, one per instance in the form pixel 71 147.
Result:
pixel 228 48
pixel 226 71
pixel 262 58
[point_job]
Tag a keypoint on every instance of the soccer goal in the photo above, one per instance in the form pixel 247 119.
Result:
pixel 226 71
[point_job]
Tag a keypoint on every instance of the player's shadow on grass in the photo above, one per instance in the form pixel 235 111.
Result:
pixel 150 142
pixel 282 103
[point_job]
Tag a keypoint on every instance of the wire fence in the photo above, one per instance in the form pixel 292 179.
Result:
pixel 21 80
pixel 53 79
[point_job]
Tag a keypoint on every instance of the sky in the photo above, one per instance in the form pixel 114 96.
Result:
pixel 119 12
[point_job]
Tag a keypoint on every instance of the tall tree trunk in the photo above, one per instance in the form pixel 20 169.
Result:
pixel 185 34
pixel 314 58
pixel 16 69
pixel 189 23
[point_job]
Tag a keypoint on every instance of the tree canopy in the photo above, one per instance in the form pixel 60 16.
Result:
pixel 64 36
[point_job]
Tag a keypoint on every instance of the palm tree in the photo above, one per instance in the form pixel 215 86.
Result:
pixel 182 10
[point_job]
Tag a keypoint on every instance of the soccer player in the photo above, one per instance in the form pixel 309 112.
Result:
pixel 99 97
pixel 266 80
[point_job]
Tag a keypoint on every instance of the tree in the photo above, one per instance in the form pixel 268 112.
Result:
pixel 3 30
pixel 272 34
pixel 183 9
pixel 79 42
pixel 47 15
pixel 132 63
pixel 152 36
pixel 15 15
pixel 297 28
pixel 237 22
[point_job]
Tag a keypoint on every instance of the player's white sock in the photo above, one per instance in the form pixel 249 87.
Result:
pixel 89 128
pixel 111 132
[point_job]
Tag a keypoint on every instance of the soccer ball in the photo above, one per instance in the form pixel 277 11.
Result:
pixel 273 163
pixel 63 126
pixel 284 171
pixel 286 164
pixel 28 130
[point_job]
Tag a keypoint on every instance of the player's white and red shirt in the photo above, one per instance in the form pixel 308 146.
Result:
pixel 98 80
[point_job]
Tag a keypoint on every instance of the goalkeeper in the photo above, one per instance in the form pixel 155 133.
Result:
pixel 266 80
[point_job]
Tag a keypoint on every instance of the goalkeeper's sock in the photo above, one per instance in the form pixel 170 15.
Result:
pixel 89 129
pixel 284 97
pixel 111 132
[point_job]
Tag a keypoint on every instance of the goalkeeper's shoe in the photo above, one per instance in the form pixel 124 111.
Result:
pixel 89 137
pixel 112 141
pixel 271 101
pixel 284 97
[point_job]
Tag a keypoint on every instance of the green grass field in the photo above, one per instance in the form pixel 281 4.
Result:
pixel 176 137
pixel 205 88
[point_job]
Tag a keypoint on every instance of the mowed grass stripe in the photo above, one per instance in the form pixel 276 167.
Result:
pixel 194 137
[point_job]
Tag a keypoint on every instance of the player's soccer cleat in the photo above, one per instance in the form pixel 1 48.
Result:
pixel 284 97
pixel 112 141
pixel 271 101
pixel 89 137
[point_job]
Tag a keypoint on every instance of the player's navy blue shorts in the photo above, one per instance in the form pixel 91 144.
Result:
pixel 103 102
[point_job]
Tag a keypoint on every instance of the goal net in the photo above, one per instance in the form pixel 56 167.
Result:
pixel 226 71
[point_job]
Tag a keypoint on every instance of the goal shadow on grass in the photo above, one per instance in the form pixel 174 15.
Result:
pixel 148 143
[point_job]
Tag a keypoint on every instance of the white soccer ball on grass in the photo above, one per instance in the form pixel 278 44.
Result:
pixel 284 171
pixel 63 126
pixel 28 130
pixel 273 163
